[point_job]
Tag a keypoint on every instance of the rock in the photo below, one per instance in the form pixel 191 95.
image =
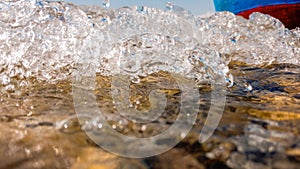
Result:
pixel 174 159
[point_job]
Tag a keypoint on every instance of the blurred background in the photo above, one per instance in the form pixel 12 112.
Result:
pixel 195 6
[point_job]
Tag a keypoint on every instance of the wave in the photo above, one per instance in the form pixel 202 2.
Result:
pixel 49 40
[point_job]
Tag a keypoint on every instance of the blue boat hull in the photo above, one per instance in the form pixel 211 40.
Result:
pixel 287 11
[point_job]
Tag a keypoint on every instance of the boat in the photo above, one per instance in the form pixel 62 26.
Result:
pixel 287 11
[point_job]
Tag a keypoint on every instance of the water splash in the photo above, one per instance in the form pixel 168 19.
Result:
pixel 261 40
pixel 40 39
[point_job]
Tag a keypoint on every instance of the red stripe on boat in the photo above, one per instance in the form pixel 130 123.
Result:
pixel 288 14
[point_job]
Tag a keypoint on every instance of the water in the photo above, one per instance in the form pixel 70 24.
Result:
pixel 258 58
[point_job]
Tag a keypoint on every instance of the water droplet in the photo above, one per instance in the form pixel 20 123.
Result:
pixel 106 3
pixel 39 3
pixel 140 9
pixel 169 6
pixel 174 8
